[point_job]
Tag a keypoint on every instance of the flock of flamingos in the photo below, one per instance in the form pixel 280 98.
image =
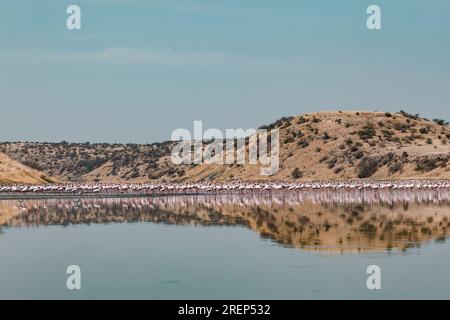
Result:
pixel 118 189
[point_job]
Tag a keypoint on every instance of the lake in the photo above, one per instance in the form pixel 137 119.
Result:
pixel 291 246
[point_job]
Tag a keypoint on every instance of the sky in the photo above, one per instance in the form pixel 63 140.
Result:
pixel 139 69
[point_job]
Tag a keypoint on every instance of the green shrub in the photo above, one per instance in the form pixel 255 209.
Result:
pixel 367 132
pixel 395 167
pixel 367 168
pixel 296 174
pixel 440 122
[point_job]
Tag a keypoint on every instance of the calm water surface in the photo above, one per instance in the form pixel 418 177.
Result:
pixel 314 245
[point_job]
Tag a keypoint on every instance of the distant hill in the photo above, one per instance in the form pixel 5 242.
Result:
pixel 97 162
pixel 314 146
pixel 13 172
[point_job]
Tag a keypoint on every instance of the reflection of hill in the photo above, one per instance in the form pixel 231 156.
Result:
pixel 8 210
pixel 312 225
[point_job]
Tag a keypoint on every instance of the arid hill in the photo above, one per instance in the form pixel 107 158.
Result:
pixel 13 172
pixel 351 145
pixel 97 162
pixel 315 146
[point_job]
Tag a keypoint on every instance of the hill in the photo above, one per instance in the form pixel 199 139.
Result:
pixel 351 145
pixel 88 162
pixel 315 146
pixel 13 172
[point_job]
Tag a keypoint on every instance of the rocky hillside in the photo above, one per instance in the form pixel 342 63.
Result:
pixel 351 145
pixel 97 162
pixel 325 145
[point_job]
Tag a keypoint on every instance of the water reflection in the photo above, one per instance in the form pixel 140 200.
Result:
pixel 314 220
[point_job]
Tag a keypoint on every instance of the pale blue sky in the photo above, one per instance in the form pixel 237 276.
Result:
pixel 140 69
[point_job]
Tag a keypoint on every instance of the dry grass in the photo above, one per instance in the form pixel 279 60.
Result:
pixel 14 172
